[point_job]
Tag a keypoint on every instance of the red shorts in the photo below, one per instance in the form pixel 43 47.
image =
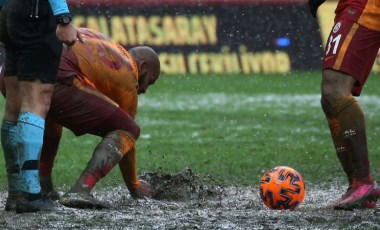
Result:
pixel 82 109
pixel 352 49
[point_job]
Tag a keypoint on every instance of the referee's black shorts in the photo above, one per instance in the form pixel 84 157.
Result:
pixel 28 31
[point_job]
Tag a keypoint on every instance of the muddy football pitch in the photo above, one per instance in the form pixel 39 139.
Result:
pixel 190 202
pixel 177 135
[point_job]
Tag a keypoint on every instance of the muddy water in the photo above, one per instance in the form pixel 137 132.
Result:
pixel 196 206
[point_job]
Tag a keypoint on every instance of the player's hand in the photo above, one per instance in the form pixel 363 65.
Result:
pixel 313 6
pixel 68 34
pixel 144 191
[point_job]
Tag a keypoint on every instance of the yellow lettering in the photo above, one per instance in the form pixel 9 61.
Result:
pixel 193 63
pixel 118 32
pixel 171 34
pixel 268 63
pixel 253 63
pixel 198 32
pixel 210 24
pixel 92 23
pixel 204 64
pixel 103 26
pixel 157 32
pixel 231 61
pixel 172 63
pixel 130 25
pixel 167 64
pixel 244 60
pixel 154 30
pixel 282 62
pixel 180 64
pixel 79 21
pixel 217 63
pixel 143 35
pixel 183 28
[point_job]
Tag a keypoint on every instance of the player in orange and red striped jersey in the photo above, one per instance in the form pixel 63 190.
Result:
pixel 97 93
pixel 350 53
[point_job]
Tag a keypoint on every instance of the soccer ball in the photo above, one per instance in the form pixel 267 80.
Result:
pixel 282 188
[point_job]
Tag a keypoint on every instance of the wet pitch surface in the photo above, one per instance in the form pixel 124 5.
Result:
pixel 189 203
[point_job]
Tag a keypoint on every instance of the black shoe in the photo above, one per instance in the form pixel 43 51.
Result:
pixel 53 195
pixel 82 200
pixel 10 204
pixel 37 203
pixel 48 188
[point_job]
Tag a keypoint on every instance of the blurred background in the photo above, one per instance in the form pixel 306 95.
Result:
pixel 216 36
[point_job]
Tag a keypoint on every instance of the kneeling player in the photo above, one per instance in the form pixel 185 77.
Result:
pixel 96 93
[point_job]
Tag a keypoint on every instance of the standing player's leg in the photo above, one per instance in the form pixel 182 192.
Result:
pixel 52 137
pixel 31 124
pixel 8 130
pixel 9 123
pixel 9 136
pixel 35 62
pixel 347 64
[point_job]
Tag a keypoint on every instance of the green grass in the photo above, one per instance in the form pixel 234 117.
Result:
pixel 233 128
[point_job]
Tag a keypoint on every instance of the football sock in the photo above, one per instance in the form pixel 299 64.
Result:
pixel 342 152
pixel 8 142
pixel 353 133
pixel 31 131
pixel 106 155
pixel 48 154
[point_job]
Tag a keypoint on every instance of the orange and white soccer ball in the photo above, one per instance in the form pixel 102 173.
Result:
pixel 282 188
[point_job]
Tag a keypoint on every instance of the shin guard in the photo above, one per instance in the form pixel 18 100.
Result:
pixel 12 162
pixel 31 131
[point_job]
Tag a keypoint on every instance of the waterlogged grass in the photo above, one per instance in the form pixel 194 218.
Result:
pixel 233 128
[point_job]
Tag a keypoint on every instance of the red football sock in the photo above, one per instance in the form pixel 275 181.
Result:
pixel 348 131
pixel 106 155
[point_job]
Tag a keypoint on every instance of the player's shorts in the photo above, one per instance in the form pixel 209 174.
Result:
pixel 79 107
pixel 352 49
pixel 28 30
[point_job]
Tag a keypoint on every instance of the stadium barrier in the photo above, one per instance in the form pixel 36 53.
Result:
pixel 212 36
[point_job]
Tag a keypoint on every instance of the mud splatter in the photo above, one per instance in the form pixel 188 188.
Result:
pixel 194 204
pixel 182 186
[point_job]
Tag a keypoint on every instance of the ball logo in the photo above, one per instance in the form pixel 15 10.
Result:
pixel 337 27
pixel 282 188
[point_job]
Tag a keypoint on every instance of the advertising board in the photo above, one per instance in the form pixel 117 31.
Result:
pixel 214 36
